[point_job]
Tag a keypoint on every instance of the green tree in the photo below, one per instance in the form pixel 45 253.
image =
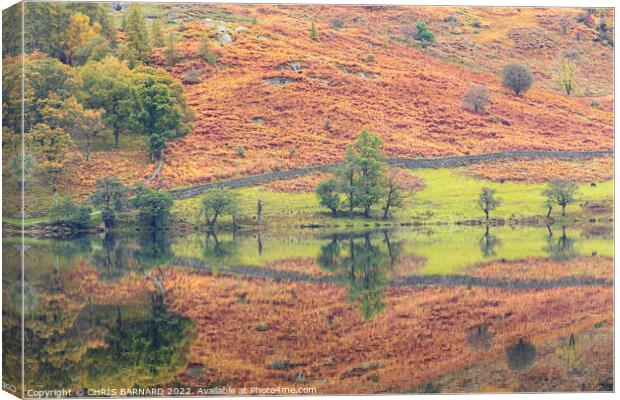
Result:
pixel 487 201
pixel 111 196
pixel 52 148
pixel 156 35
pixel 517 78
pixel 23 170
pixel 367 155
pixel 219 202
pixel 423 35
pixel 562 193
pixel 566 76
pixel 313 34
pixel 163 114
pixel 108 85
pixel 76 216
pixel 153 207
pixel 137 48
pixel 345 178
pixel 95 49
pixel 328 196
pixel 394 195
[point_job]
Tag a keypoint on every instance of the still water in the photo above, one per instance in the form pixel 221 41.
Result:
pixel 445 309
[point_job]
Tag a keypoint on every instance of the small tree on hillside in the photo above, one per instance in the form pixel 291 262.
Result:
pixel 487 201
pixel 170 53
pixel 205 52
pixel 566 76
pixel 326 191
pixel 423 35
pixel 476 98
pixel 313 34
pixel 452 22
pixel 156 35
pixel 219 202
pixel 562 193
pixel 517 78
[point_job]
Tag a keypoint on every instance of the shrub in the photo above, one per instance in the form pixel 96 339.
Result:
pixel 327 123
pixel 192 77
pixel 313 34
pixel 76 216
pixel 205 52
pixel 153 206
pixel 240 150
pixel 517 78
pixel 476 24
pixel 476 98
pixel 595 104
pixel 337 24
pixel 370 58
pixel 451 21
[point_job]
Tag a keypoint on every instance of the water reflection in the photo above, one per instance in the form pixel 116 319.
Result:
pixel 363 266
pixel 489 244
pixel 521 355
pixel 560 248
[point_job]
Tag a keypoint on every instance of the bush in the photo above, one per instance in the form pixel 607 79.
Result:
pixel 476 24
pixel 153 206
pixel 517 78
pixel 205 52
pixel 192 77
pixel 75 216
pixel 476 98
pixel 240 150
pixel 370 58
pixel 595 104
pixel 337 24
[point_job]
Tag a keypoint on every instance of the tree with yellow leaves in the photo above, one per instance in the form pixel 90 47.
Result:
pixel 79 32
pixel 566 76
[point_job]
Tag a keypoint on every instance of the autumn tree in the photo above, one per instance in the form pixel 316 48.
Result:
pixel 517 78
pixel 487 201
pixel 137 48
pixel 476 98
pixel 108 85
pixel 562 193
pixel 69 115
pixel 52 149
pixel 566 76
pixel 217 203
pixel 78 32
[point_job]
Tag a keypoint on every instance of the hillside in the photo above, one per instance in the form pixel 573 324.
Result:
pixel 276 99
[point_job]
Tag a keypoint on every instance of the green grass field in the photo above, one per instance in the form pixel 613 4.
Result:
pixel 449 197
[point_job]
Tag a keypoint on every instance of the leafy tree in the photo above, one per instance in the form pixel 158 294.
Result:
pixel 423 35
pixel 345 178
pixel 69 115
pixel 216 203
pixel 74 215
pixel 488 202
pixel 566 76
pixel 95 49
pixel 313 34
pixel 154 207
pixel 394 195
pixel 137 47
pixel 51 147
pixel 111 195
pixel 170 53
pixel 163 113
pixel 366 154
pixel 156 35
pixel 107 85
pixel 23 170
pixel 476 98
pixel 12 31
pixel 78 32
pixel 517 78
pixel 328 196
pixel 562 193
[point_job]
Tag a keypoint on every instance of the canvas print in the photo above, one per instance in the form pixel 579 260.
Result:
pixel 303 199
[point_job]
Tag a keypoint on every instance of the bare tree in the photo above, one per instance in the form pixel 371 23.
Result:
pixel 476 98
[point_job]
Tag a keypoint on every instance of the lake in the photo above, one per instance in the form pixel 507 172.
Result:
pixel 432 309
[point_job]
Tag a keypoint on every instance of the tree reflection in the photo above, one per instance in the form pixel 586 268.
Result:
pixel 154 249
pixel 363 266
pixel 488 244
pixel 219 252
pixel 561 248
